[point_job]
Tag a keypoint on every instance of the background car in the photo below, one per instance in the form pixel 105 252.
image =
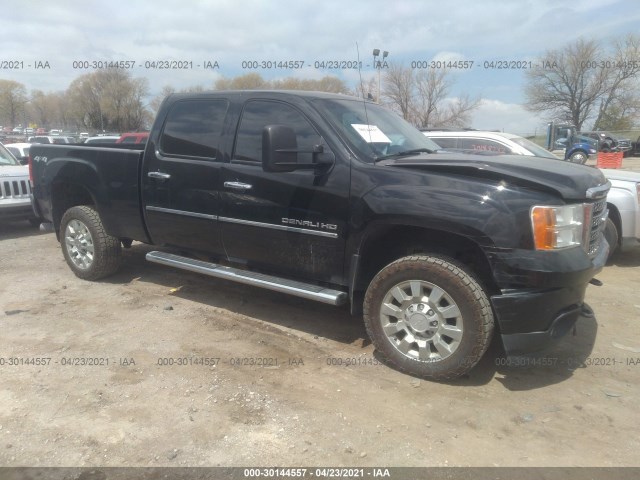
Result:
pixel 608 142
pixel 15 189
pixel 488 143
pixel 51 139
pixel 103 139
pixel 134 137
pixel 20 151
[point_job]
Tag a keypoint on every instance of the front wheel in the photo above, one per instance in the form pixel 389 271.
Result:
pixel 428 317
pixel 612 236
pixel 578 157
pixel 89 251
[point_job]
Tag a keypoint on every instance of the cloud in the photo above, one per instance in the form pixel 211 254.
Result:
pixel 506 117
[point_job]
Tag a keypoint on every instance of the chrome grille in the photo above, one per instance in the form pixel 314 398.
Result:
pixel 14 188
pixel 598 218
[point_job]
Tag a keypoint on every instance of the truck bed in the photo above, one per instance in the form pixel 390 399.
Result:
pixel 112 175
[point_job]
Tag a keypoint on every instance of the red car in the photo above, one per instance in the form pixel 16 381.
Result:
pixel 133 137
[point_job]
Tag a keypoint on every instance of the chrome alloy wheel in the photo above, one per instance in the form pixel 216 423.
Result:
pixel 421 321
pixel 79 244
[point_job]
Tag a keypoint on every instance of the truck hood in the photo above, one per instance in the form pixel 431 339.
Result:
pixel 14 171
pixel 569 180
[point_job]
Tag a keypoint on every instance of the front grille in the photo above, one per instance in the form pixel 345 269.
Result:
pixel 598 217
pixel 14 189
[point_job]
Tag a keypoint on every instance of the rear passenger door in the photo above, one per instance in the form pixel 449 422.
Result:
pixel 181 177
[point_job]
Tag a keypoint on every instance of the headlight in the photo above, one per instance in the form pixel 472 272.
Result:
pixel 560 226
pixel 592 151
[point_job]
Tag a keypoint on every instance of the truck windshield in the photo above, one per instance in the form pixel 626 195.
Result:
pixel 6 158
pixel 374 132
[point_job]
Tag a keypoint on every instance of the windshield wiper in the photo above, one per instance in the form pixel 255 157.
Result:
pixel 405 153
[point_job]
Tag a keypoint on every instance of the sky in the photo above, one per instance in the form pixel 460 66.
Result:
pixel 52 43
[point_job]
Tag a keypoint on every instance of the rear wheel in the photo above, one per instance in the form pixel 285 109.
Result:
pixel 89 251
pixel 428 317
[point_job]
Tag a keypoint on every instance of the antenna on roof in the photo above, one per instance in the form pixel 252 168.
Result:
pixel 364 102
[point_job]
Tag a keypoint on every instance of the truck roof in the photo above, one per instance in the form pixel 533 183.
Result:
pixel 275 93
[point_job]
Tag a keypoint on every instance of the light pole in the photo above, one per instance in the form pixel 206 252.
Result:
pixel 378 64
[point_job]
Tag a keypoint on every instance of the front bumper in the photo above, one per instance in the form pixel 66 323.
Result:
pixel 531 319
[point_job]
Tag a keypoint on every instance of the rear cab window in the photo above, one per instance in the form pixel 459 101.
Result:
pixel 193 129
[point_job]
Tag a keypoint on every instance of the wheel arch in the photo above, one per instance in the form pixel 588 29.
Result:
pixel 614 215
pixel 388 243
pixel 65 195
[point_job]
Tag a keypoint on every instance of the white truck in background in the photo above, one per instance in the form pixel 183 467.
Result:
pixel 623 225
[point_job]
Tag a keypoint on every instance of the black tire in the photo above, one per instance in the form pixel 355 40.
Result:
pixel 579 157
pixel 89 251
pixel 612 236
pixel 474 324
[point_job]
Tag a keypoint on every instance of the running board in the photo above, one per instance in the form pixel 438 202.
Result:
pixel 299 289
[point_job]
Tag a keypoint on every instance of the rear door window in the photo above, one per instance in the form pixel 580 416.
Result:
pixel 484 145
pixel 193 129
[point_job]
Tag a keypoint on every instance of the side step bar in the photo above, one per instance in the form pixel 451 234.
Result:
pixel 299 289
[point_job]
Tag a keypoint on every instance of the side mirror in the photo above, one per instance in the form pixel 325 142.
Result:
pixel 23 160
pixel 280 152
pixel 279 149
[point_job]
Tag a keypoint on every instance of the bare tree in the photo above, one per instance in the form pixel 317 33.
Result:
pixel 41 107
pixel 155 103
pixel 423 98
pixel 254 81
pixel 13 97
pixel 109 100
pixel 583 81
pixel 366 89
pixel 325 84
pixel 619 104
pixel 250 81
pixel 398 89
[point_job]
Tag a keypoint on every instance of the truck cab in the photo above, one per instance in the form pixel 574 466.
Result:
pixel 563 140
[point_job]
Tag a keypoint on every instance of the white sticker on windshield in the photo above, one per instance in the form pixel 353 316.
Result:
pixel 370 133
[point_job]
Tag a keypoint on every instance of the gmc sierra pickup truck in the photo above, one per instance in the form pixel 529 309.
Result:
pixel 338 200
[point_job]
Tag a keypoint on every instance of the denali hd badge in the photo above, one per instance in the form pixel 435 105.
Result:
pixel 309 224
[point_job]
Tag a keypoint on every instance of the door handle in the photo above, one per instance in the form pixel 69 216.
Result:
pixel 237 185
pixel 159 175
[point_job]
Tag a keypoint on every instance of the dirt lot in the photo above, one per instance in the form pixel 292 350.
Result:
pixel 281 392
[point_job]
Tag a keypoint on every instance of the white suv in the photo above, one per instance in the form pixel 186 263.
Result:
pixel 490 143
pixel 15 190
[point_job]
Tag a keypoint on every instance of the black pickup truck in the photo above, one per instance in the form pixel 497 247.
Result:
pixel 338 200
